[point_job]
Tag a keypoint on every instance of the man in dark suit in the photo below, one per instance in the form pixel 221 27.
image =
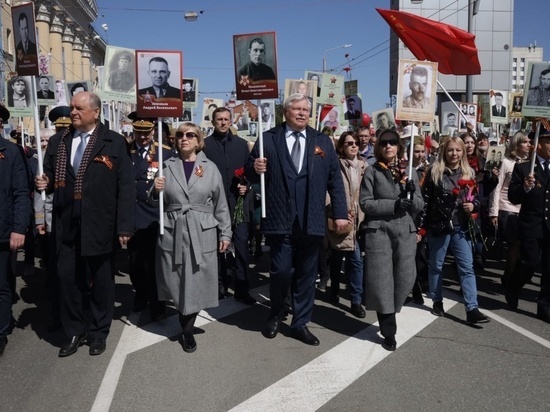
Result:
pixel 533 193
pixel 44 93
pixel 89 170
pixel 300 166
pixel 351 113
pixel 498 110
pixel 141 247
pixel 159 72
pixel 15 212
pixel 25 47
pixel 230 154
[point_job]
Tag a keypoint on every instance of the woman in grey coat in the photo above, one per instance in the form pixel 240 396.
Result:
pixel 390 200
pixel 197 225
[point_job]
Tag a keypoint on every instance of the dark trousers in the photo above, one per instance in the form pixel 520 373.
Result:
pixel 187 322
pixel 141 254
pixel 87 292
pixel 5 288
pixel 240 243
pixel 532 252
pixel 294 261
pixel 387 324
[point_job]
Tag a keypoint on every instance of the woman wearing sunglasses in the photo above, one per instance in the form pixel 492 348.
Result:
pixel 390 200
pixel 197 225
pixel 450 193
pixel 346 245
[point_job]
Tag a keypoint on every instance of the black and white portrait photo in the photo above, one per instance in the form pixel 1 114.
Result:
pixel 26 51
pixel 44 90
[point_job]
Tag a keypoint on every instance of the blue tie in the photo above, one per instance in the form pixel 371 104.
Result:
pixel 79 152
pixel 296 152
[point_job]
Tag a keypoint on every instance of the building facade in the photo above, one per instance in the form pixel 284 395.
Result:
pixel 69 48
pixel 521 56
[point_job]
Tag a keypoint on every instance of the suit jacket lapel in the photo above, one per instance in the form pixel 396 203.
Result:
pixel 68 146
pixel 540 173
pixel 311 142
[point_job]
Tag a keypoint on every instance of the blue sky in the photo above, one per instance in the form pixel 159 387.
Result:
pixel 305 29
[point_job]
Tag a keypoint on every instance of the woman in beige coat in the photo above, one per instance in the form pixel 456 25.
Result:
pixel 197 225
pixel 346 245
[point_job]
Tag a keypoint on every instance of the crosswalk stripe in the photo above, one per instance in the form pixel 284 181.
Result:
pixel 316 383
pixel 134 338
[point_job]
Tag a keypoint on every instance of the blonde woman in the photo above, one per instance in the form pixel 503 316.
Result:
pixel 450 196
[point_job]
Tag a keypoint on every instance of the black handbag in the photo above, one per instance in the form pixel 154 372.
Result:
pixel 495 247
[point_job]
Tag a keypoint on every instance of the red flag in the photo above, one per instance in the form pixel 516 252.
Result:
pixel 452 48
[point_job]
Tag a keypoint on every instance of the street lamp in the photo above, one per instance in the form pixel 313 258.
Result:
pixel 344 46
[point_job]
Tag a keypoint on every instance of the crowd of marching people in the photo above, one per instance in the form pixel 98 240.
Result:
pixel 339 209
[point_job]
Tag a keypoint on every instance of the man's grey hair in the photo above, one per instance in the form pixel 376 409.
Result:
pixel 296 97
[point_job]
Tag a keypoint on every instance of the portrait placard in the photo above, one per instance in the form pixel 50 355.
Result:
pixel 470 112
pixel 416 90
pixel 315 76
pixel 331 116
pixel 190 89
pixel 208 107
pixel 155 69
pixel 383 119
pixel 450 118
pixel 26 51
pixel 309 89
pixel 499 106
pixel 267 108
pixel 332 89
pixel 73 88
pixel 61 93
pixel 119 80
pixel 515 104
pixel 19 97
pixel 536 101
pixel 495 154
pixel 44 90
pixel 255 57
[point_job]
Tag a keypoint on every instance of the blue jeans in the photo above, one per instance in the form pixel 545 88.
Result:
pixel 354 268
pixel 461 245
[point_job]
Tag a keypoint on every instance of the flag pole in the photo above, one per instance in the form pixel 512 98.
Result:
pixel 37 135
pixel 535 143
pixel 261 148
pixel 411 153
pixel 160 173
pixel 452 100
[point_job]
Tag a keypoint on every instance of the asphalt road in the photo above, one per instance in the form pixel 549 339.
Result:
pixel 441 364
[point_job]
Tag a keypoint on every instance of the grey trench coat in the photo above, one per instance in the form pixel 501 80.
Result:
pixel 196 219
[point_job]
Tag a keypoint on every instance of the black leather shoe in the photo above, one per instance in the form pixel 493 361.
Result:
pixel 246 299
pixel 271 328
pixel 97 346
pixel 189 344
pixel 3 343
pixel 543 313
pixel 357 310
pixel 304 335
pixel 511 299
pixel 72 345
pixel 475 316
pixel 389 343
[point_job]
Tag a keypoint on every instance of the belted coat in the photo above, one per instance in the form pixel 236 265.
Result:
pixel 196 218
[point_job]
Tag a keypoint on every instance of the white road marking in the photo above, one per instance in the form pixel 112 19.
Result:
pixel 316 383
pixel 518 329
pixel 134 338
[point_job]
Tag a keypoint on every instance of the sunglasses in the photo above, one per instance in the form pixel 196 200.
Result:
pixel 187 135
pixel 351 144
pixel 391 142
